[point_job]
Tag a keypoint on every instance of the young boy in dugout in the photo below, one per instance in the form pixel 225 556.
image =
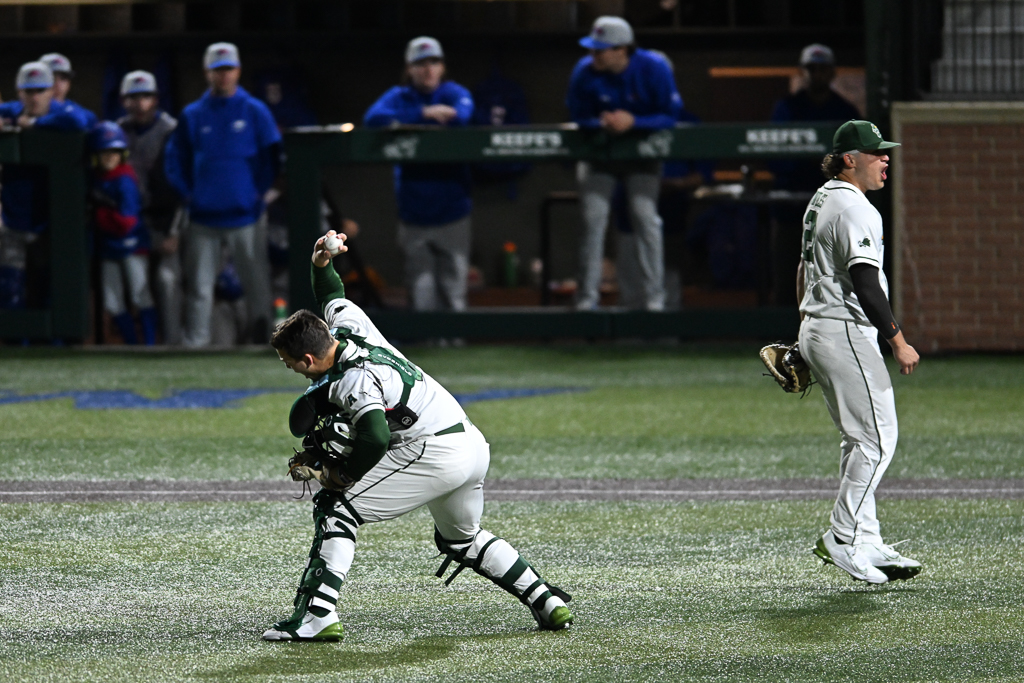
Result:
pixel 123 239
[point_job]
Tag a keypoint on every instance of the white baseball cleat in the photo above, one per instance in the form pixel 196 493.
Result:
pixel 852 559
pixel 307 627
pixel 889 561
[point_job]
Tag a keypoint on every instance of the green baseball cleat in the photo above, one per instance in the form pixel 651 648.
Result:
pixel 308 628
pixel 559 619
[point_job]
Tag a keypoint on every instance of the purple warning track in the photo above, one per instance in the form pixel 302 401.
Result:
pixel 551 490
pixel 122 399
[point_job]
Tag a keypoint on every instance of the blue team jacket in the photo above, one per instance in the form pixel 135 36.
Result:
pixel 120 227
pixel 89 118
pixel 427 194
pixel 646 89
pixel 25 189
pixel 792 174
pixel 223 156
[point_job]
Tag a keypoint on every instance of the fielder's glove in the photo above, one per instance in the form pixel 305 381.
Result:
pixel 787 367
pixel 325 450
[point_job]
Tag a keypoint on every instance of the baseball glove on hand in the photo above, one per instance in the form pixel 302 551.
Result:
pixel 787 367
pixel 322 458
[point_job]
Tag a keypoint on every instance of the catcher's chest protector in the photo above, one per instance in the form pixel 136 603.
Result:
pixel 315 404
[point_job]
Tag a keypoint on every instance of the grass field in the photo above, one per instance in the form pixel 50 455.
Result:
pixel 663 591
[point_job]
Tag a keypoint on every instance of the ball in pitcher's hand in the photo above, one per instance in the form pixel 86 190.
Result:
pixel 333 245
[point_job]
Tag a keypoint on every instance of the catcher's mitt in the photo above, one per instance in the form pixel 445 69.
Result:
pixel 787 367
pixel 322 458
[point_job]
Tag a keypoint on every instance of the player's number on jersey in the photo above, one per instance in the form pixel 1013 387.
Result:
pixel 810 222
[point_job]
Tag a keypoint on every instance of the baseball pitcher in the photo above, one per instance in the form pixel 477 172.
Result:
pixel 844 306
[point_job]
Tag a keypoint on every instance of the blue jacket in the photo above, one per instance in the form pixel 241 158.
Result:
pixel 25 189
pixel 797 175
pixel 223 156
pixel 118 218
pixel 646 89
pixel 85 114
pixel 427 194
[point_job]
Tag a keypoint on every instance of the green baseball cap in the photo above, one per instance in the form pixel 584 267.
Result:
pixel 862 136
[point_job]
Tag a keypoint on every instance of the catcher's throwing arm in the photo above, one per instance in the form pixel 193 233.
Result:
pixel 787 367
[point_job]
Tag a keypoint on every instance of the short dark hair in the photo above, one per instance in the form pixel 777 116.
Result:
pixel 833 164
pixel 300 333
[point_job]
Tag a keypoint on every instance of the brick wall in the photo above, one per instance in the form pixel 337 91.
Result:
pixel 958 209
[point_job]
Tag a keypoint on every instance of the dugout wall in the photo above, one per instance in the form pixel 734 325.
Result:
pixel 311 149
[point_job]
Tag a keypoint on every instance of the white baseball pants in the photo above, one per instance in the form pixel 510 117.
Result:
pixel 848 365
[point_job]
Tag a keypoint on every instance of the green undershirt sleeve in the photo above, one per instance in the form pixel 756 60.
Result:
pixel 327 285
pixel 370 444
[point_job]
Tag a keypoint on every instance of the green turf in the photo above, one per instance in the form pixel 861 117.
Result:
pixel 712 591
pixel 646 413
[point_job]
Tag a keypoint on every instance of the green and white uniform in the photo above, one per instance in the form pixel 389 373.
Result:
pixel 438 461
pixel 842 229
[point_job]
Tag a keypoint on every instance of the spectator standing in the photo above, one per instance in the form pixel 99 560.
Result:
pixel 222 158
pixel 679 178
pixel 816 101
pixel 123 238
pixel 24 193
pixel 616 88
pixel 434 200
pixel 62 75
pixel 146 128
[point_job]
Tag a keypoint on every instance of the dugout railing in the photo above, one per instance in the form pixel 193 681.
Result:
pixel 311 149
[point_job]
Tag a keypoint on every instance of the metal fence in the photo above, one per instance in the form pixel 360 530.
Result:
pixel 979 46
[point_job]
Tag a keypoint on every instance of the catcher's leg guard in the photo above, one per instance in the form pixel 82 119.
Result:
pixel 330 557
pixel 495 559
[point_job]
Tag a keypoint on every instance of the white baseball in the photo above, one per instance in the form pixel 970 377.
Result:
pixel 333 245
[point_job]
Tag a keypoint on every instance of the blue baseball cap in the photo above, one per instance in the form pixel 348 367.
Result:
pixel 608 32
pixel 107 135
pixel 221 54
pixel 34 76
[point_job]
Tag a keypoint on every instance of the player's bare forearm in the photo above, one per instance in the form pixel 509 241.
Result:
pixel 904 353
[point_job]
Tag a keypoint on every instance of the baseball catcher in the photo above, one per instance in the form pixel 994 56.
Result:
pixel 383 438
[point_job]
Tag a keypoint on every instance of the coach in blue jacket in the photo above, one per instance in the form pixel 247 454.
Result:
pixel 24 239
pixel 223 157
pixel 433 199
pixel 616 88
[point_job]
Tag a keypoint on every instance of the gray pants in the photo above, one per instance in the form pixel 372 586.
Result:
pixel 132 270
pixel 436 264
pixel 167 286
pixel 202 257
pixel 597 184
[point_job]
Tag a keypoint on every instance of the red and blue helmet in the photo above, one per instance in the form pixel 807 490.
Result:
pixel 107 135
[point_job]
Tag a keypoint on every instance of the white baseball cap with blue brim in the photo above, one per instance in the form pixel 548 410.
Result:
pixel 608 32
pixel 816 53
pixel 34 76
pixel 221 54
pixel 138 82
pixel 423 47
pixel 58 63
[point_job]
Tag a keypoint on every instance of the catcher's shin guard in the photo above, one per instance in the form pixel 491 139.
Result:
pixel 334 540
pixel 495 559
